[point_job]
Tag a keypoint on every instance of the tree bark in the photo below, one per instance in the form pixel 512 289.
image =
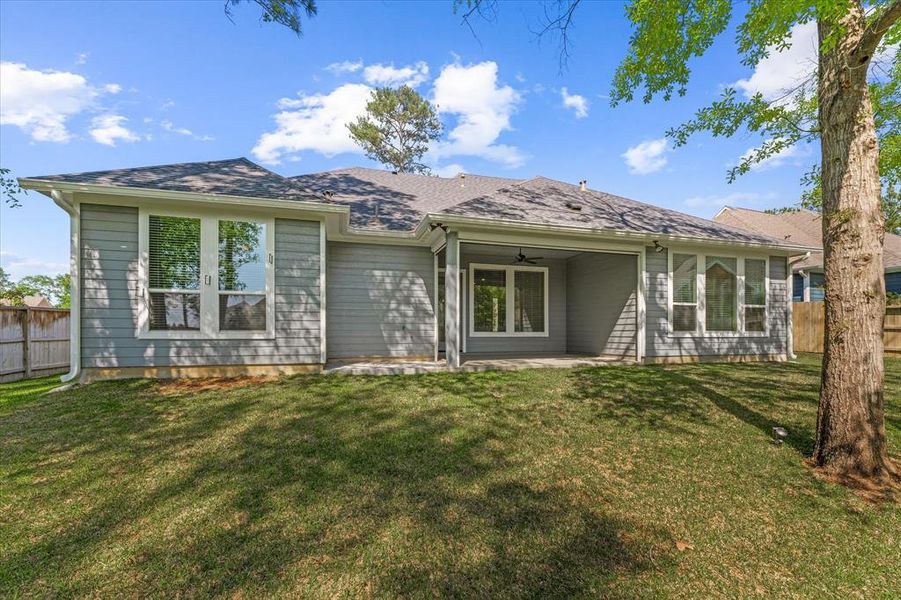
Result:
pixel 850 436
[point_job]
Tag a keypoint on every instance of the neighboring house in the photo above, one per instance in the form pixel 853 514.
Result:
pixel 805 227
pixel 36 301
pixel 226 268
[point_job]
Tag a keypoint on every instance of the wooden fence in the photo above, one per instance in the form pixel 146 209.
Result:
pixel 809 324
pixel 33 342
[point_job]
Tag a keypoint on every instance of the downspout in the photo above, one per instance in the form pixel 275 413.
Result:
pixel 789 292
pixel 67 203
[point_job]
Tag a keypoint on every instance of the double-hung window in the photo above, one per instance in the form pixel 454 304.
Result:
pixel 508 301
pixel 717 295
pixel 205 276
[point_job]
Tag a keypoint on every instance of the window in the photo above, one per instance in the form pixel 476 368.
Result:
pixel 490 297
pixel 509 301
pixel 206 277
pixel 685 292
pixel 174 273
pixel 717 295
pixel 755 295
pixel 721 294
pixel 242 276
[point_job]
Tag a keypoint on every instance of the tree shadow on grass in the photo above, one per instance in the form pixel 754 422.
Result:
pixel 677 399
pixel 317 486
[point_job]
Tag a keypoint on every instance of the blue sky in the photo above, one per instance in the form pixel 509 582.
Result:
pixel 91 86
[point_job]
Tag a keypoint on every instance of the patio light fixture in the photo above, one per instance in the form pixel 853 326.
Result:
pixel 658 248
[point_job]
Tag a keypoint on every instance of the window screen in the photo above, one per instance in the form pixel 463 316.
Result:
pixel 528 313
pixel 174 272
pixel 489 300
pixel 721 293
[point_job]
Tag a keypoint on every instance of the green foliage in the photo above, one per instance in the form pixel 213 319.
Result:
pixel 398 126
pixel 667 33
pixel 239 244
pixel 55 288
pixel 9 188
pixel 284 12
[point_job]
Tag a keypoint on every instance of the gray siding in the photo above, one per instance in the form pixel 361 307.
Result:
pixel 111 299
pixel 380 300
pixel 601 304
pixel 661 343
pixel 554 343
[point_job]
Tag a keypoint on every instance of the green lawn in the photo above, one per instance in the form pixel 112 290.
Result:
pixel 614 481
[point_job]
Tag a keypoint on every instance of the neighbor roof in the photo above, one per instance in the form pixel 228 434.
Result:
pixel 384 200
pixel 233 177
pixel 801 227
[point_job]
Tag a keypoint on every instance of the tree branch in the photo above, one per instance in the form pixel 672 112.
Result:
pixel 876 29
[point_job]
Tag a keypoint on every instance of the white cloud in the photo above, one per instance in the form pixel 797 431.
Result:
pixel 482 109
pixel 171 128
pixel 81 58
pixel 167 105
pixel 781 72
pixel 112 88
pixel 647 157
pixel 109 128
pixel 578 104
pixel 20 266
pixel 315 122
pixel 792 155
pixel 389 75
pixel 451 170
pixel 346 66
pixel 41 102
pixel 777 75
pixel 733 199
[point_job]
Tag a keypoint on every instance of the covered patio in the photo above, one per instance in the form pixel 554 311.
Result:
pixel 506 305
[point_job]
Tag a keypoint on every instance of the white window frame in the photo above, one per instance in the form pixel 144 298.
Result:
pixel 672 303
pixel 209 277
pixel 766 295
pixel 701 324
pixel 509 271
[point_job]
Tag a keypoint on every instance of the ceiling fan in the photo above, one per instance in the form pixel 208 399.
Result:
pixel 522 258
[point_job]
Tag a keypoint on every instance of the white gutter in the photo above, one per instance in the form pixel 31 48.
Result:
pixel 66 202
pixel 611 234
pixel 790 294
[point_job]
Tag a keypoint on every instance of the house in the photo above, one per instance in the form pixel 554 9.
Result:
pixel 224 267
pixel 805 227
pixel 31 301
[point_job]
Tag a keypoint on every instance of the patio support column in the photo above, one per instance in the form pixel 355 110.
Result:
pixel 452 299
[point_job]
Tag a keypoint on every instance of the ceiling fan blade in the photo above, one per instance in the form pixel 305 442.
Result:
pixel 530 261
pixel 537 257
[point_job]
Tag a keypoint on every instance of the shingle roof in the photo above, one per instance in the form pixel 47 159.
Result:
pixel 380 199
pixel 548 201
pixel 396 201
pixel 233 177
pixel 802 227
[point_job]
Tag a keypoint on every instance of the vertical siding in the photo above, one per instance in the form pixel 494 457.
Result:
pixel 660 343
pixel 380 300
pixel 601 304
pixel 111 299
pixel 554 343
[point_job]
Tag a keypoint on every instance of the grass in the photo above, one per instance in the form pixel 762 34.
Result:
pixel 25 390
pixel 617 482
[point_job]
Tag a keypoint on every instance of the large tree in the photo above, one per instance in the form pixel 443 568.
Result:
pixel 667 35
pixel 397 128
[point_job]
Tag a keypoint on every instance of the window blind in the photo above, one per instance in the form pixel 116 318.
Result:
pixel 721 285
pixel 528 314
pixel 173 269
pixel 685 292
pixel 755 295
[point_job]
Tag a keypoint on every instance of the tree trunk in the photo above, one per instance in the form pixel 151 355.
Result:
pixel 850 422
